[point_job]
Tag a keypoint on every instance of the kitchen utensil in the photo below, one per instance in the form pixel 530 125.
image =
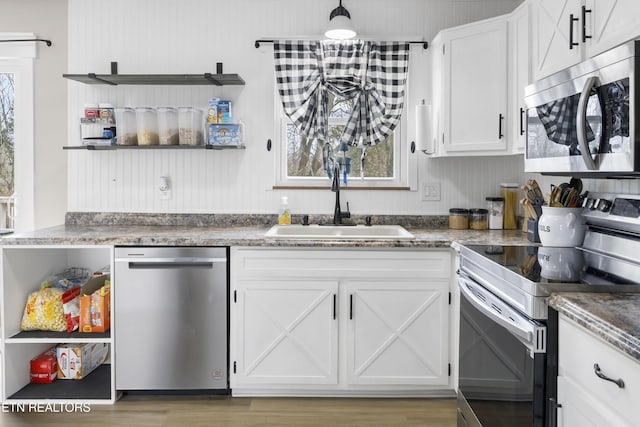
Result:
pixel 576 183
pixel 533 184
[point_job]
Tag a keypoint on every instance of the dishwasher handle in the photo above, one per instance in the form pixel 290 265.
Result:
pixel 151 263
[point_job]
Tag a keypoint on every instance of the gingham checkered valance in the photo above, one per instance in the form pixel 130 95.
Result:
pixel 373 73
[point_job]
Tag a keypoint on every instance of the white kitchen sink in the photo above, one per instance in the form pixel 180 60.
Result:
pixel 339 232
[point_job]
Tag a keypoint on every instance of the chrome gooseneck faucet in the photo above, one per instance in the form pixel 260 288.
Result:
pixel 338 214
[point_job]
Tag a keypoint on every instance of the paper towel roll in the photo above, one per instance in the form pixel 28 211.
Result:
pixel 424 129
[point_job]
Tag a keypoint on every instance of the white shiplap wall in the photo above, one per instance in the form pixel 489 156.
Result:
pixel 190 36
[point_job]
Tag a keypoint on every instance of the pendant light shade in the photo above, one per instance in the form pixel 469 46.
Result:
pixel 340 25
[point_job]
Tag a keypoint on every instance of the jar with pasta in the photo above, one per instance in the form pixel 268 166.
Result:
pixel 510 195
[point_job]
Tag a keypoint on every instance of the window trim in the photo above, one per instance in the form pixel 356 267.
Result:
pixel 18 58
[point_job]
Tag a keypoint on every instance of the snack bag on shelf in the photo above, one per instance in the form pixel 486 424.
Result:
pixel 44 311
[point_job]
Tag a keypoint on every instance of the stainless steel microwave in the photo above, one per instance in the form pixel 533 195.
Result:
pixel 583 120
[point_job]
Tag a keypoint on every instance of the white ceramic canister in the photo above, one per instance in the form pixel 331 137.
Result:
pixel 561 227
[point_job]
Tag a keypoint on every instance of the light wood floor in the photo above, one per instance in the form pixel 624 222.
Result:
pixel 136 411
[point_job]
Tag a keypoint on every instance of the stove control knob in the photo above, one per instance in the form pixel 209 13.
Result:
pixel 590 203
pixel 604 205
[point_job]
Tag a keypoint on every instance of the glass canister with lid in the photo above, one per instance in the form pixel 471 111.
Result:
pixel 458 219
pixel 478 219
pixel 495 206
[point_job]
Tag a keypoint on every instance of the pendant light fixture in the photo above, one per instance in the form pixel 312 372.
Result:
pixel 340 25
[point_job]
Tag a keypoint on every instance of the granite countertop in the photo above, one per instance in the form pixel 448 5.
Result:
pixel 238 235
pixel 613 317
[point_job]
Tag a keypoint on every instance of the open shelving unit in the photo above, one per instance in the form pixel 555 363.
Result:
pixel 23 268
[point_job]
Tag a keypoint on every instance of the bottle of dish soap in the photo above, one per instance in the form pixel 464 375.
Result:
pixel 284 217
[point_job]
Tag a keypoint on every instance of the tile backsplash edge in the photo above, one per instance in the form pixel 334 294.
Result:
pixel 240 220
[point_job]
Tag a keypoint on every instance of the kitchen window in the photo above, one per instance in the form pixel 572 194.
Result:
pixel 341 101
pixel 7 139
pixel 300 163
pixel 16 129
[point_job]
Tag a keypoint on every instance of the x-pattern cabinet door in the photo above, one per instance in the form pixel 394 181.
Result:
pixel 396 331
pixel 288 332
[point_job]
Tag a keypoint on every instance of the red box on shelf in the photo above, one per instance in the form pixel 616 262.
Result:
pixel 44 367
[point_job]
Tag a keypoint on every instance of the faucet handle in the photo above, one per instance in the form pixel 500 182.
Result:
pixel 347 213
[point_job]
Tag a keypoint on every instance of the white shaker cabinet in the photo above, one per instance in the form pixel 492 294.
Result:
pixel 585 399
pixel 287 331
pixel 397 332
pixel 309 321
pixel 565 32
pixel 519 76
pixel 470 83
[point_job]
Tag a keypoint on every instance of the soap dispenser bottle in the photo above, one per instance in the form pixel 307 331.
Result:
pixel 284 217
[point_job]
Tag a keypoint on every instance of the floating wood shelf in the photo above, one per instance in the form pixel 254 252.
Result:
pixel 157 79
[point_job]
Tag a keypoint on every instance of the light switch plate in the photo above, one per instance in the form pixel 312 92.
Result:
pixel 430 191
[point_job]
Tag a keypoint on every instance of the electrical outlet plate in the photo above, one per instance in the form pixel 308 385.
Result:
pixel 431 191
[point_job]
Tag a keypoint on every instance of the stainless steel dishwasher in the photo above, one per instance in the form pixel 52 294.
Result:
pixel 171 319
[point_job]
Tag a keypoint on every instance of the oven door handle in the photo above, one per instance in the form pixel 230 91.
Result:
pixel 531 334
pixel 581 127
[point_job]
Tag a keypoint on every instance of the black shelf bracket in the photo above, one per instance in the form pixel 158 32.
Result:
pixel 425 44
pixel 93 76
pixel 48 42
pixel 209 77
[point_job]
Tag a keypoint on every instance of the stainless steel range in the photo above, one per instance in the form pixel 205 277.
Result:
pixel 508 335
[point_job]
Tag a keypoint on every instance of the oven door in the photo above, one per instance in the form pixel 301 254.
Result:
pixel 502 362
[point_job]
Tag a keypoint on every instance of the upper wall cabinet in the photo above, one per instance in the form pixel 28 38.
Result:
pixel 565 32
pixel 519 76
pixel 470 76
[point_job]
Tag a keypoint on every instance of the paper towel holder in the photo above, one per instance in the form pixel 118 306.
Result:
pixel 423 141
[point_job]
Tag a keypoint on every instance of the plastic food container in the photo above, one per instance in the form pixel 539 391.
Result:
pixel 458 219
pixel 495 206
pixel 126 126
pixel 191 126
pixel 478 219
pixel 147 125
pixel 168 126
